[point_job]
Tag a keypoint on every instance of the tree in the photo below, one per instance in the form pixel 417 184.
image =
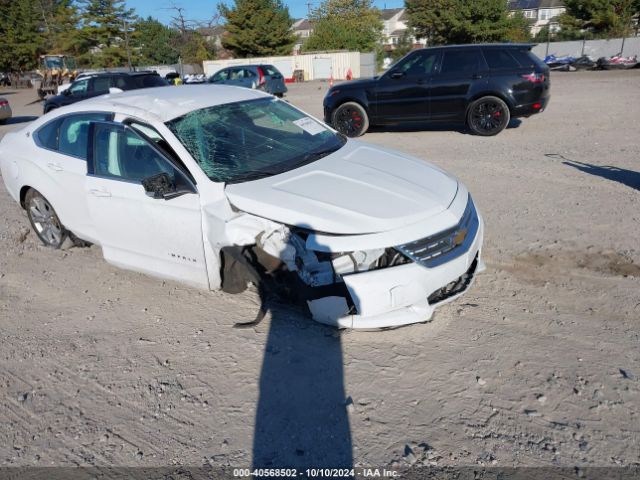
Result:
pixel 156 43
pixel 257 28
pixel 344 25
pixel 59 25
pixel 404 45
pixel 465 21
pixel 599 18
pixel 106 28
pixel 21 34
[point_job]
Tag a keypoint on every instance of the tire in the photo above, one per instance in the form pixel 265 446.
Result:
pixel 350 119
pixel 44 220
pixel 488 116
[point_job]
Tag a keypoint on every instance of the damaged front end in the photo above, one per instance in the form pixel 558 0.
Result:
pixel 373 287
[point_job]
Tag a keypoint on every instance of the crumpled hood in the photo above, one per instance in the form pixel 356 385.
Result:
pixel 358 189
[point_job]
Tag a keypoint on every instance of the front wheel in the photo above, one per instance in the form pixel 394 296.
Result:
pixel 350 119
pixel 488 116
pixel 44 220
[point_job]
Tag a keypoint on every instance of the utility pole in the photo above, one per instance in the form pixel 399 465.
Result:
pixel 126 41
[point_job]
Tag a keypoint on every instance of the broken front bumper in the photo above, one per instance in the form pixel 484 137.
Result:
pixel 400 295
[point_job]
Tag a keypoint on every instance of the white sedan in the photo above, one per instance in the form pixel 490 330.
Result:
pixel 219 186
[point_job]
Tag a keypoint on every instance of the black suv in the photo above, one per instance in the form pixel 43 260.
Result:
pixel 100 83
pixel 482 86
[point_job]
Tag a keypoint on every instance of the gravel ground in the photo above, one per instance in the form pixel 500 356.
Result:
pixel 537 365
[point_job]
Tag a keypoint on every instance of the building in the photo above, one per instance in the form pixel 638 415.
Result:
pixel 303 29
pixel 540 13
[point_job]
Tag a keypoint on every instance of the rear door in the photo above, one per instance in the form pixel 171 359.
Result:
pixel 461 70
pixel 160 236
pixel 64 143
pixel 403 92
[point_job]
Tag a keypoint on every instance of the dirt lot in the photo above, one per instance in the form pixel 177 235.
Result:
pixel 539 364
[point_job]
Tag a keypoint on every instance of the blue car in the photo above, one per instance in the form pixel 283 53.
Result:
pixel 262 77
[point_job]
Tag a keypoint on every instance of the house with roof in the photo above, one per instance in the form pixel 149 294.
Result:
pixel 540 13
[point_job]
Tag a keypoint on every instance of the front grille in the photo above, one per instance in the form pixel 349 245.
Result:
pixel 447 245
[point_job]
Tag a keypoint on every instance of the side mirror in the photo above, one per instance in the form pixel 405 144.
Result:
pixel 67 92
pixel 397 74
pixel 161 186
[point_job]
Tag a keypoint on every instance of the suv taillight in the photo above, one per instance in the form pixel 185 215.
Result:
pixel 534 77
pixel 3 103
pixel 261 79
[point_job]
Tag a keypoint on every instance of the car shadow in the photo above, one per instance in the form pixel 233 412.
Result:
pixel 9 92
pixel 21 119
pixel 626 177
pixel 302 413
pixel 434 127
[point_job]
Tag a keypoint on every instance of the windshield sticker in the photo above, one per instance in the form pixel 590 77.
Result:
pixel 309 125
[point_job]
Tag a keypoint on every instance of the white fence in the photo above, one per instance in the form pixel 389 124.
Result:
pixel 595 48
pixel 315 66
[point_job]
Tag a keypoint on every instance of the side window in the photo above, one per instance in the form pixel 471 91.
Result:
pixel 499 58
pixel 123 154
pixel 47 135
pixel 120 82
pixel 235 74
pixel 249 73
pixel 74 133
pixel 100 84
pixel 461 61
pixel 69 134
pixel 220 76
pixel 79 87
pixel 418 64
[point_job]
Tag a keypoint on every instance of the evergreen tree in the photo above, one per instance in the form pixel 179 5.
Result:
pixel 21 34
pixel 257 28
pixel 106 29
pixel 156 43
pixel 465 21
pixel 345 25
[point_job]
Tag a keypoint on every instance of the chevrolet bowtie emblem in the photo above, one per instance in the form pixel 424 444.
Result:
pixel 460 236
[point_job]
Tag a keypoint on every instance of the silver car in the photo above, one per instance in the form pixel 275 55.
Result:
pixel 5 110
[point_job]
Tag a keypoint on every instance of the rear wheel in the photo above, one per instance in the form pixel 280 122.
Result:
pixel 350 119
pixel 488 116
pixel 44 220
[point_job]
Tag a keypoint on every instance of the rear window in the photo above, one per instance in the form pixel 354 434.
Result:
pixel 460 61
pixel 527 58
pixel 500 58
pixel 270 70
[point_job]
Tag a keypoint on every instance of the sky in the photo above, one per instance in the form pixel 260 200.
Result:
pixel 203 10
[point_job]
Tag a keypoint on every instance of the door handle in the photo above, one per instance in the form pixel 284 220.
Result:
pixel 55 167
pixel 99 193
pixel 476 76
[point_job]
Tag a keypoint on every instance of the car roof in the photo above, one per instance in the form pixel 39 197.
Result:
pixel 166 103
pixel 473 45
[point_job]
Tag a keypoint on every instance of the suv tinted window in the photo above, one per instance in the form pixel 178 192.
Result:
pixel 145 81
pixel 527 58
pixel 460 61
pixel 500 58
pixel 101 84
pixel 270 70
pixel 420 63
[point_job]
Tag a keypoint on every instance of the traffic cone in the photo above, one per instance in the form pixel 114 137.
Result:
pixel 331 80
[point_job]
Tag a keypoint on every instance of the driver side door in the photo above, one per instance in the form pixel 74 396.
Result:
pixel 403 92
pixel 158 232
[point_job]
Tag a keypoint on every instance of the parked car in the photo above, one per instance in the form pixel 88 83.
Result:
pixel 482 86
pixel 5 110
pixel 100 83
pixel 261 77
pixel 217 186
